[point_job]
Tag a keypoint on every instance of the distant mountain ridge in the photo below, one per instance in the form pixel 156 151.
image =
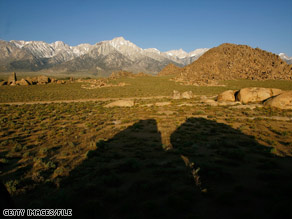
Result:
pixel 101 58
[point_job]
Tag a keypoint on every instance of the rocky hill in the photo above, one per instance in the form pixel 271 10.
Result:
pixel 170 69
pixel 231 61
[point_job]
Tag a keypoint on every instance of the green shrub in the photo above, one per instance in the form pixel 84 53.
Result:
pixel 60 171
pixel 50 165
pixel 17 147
pixel 26 154
pixel 199 112
pixel 43 150
pixel 3 160
pixel 12 186
pixel 72 144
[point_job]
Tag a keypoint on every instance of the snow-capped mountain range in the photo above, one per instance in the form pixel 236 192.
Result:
pixel 101 58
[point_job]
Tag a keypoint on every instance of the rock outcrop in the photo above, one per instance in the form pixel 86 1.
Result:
pixel 268 96
pixel 256 94
pixel 227 96
pixel 184 95
pixel 281 101
pixel 12 79
pixel 176 95
pixel 187 95
pixel 23 82
pixel 231 62
pixel 43 79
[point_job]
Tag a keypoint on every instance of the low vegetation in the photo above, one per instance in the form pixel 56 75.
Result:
pixel 144 86
pixel 171 159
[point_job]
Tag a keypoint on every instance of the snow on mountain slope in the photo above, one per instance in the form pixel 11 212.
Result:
pixel 125 47
pixel 42 49
pixel 183 57
pixel 48 55
pixel 177 53
pixel 59 49
pixel 152 50
pixel 198 52
pixel 284 57
pixel 183 54
pixel 133 52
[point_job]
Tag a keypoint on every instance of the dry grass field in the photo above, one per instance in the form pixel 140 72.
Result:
pixel 146 86
pixel 177 159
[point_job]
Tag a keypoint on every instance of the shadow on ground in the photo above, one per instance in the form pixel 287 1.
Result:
pixel 131 176
pixel 243 179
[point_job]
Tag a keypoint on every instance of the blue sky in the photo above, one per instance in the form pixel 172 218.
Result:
pixel 164 25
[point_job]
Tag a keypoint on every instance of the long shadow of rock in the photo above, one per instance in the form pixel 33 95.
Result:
pixel 242 178
pixel 128 176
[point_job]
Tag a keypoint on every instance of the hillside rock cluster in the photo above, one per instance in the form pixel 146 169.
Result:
pixel 231 62
pixel 184 95
pixel 38 80
pixel 99 83
pixel 269 96
pixel 170 69
pixel 106 82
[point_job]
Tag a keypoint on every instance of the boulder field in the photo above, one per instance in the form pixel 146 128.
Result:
pixel 38 80
pixel 269 96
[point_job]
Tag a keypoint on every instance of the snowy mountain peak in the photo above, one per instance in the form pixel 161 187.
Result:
pixel 124 46
pixel 58 44
pixel 198 52
pixel 284 57
pixel 120 39
pixel 153 50
pixel 19 43
pixel 177 53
